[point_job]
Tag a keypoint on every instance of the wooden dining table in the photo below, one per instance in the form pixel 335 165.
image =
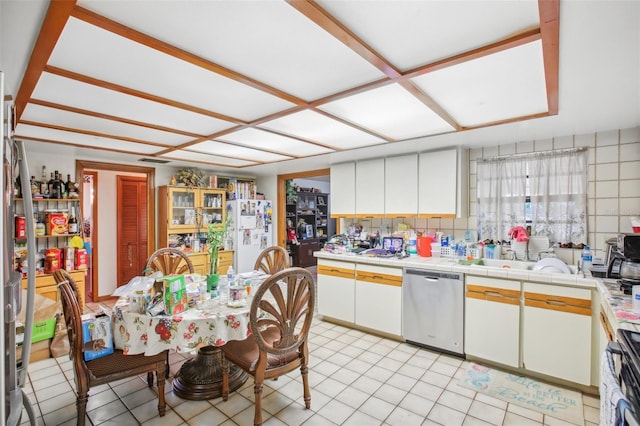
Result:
pixel 202 329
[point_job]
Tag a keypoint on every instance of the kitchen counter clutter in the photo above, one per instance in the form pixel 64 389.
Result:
pixel 518 270
pixel 549 324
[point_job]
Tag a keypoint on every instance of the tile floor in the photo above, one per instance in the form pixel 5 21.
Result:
pixel 356 379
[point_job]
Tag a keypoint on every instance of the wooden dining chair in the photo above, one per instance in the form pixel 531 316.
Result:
pixel 169 261
pixel 280 318
pixel 272 259
pixel 109 368
pixel 62 275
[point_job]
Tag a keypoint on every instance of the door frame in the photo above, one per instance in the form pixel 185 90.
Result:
pixel 81 165
pixel 282 197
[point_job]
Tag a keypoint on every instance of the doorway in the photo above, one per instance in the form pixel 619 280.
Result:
pixel 282 199
pixel 110 255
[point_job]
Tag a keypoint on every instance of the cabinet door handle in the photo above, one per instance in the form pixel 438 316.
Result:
pixel 555 302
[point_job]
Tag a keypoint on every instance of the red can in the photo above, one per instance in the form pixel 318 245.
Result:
pixel 21 227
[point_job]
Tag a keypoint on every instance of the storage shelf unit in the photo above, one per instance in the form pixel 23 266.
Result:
pixel 309 216
pixel 45 283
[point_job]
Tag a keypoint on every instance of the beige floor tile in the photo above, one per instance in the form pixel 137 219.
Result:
pixel 486 412
pixel 455 401
pixel 294 414
pixel 417 404
pixel 330 387
pixel 436 379
pixel 525 412
pixel 513 419
pixel 472 421
pixel 427 390
pixel 336 411
pixel 189 409
pixel 108 411
pixel 353 397
pixel 361 419
pixel 390 394
pixel 445 415
pixel 403 382
pixel 400 416
pixel 376 408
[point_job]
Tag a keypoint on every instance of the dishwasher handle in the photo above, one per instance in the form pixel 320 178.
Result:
pixel 434 275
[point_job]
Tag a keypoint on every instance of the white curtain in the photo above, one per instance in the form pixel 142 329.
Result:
pixel 558 188
pixel 502 187
pixel 556 183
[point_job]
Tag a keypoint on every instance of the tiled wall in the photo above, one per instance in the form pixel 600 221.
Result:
pixel 613 194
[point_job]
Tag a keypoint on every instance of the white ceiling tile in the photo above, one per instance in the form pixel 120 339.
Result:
pixel 58 117
pixel 236 151
pixel 504 85
pixel 261 139
pixel 313 126
pixel 390 110
pixel 69 92
pixel 206 158
pixel 269 41
pixel 414 33
pixel 115 59
pixel 26 132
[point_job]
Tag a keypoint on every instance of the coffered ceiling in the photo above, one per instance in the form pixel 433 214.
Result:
pixel 236 84
pixel 243 83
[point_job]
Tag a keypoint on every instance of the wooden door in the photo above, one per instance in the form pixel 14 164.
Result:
pixel 132 227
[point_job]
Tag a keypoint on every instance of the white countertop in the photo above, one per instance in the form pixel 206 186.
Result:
pixel 452 265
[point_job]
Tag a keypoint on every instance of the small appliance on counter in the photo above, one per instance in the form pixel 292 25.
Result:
pixel 626 262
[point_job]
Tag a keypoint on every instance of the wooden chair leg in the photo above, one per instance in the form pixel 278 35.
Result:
pixel 225 379
pixel 81 405
pixel 257 390
pixel 305 383
pixel 161 373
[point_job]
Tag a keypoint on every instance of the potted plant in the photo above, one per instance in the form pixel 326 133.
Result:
pixel 292 191
pixel 189 176
pixel 215 242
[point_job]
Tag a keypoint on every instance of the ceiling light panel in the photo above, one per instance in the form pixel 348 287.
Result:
pixel 236 151
pixel 73 93
pixel 206 158
pixel 390 110
pixel 86 141
pixel 310 125
pixel 261 139
pixel 414 33
pixel 269 41
pixel 118 60
pixel 504 85
pixel 58 117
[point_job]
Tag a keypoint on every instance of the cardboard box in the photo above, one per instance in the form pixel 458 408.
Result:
pixel 39 351
pixel 82 259
pixel 97 337
pixel 175 294
pixel 57 224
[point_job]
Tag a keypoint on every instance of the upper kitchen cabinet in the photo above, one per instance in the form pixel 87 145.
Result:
pixel 370 188
pixel 401 186
pixel 343 189
pixel 442 183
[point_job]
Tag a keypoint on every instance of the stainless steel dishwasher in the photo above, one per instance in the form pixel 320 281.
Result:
pixel 433 309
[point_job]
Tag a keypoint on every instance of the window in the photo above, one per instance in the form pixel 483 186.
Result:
pixel 544 191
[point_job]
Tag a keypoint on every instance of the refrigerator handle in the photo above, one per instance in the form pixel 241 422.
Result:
pixel 31 259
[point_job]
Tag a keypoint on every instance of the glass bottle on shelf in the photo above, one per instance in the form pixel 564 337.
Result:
pixel 57 185
pixel 50 186
pixel 44 186
pixel 73 222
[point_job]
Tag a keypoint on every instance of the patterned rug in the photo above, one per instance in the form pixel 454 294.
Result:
pixel 547 399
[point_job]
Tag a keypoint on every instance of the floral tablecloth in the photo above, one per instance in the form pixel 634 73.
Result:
pixel 136 333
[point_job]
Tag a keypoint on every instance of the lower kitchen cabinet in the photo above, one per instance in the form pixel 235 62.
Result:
pixel 492 319
pixel 46 285
pixel 378 298
pixel 336 290
pixel 557 324
pixel 200 262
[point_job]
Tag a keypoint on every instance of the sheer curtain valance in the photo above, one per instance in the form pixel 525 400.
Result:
pixel 545 190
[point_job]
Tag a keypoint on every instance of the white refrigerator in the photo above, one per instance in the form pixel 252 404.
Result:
pixel 250 231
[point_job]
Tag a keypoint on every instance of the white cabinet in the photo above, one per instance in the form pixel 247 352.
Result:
pixel 379 298
pixel 442 183
pixel 343 190
pixel 401 186
pixel 492 319
pixel 369 188
pixel 557 324
pixel 336 289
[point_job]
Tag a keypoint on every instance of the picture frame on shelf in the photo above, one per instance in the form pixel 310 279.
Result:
pixel 321 201
pixel 309 231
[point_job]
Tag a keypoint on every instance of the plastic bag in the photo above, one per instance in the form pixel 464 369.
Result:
pixel 144 284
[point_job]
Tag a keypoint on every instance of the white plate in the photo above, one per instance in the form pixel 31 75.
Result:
pixel 552 264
